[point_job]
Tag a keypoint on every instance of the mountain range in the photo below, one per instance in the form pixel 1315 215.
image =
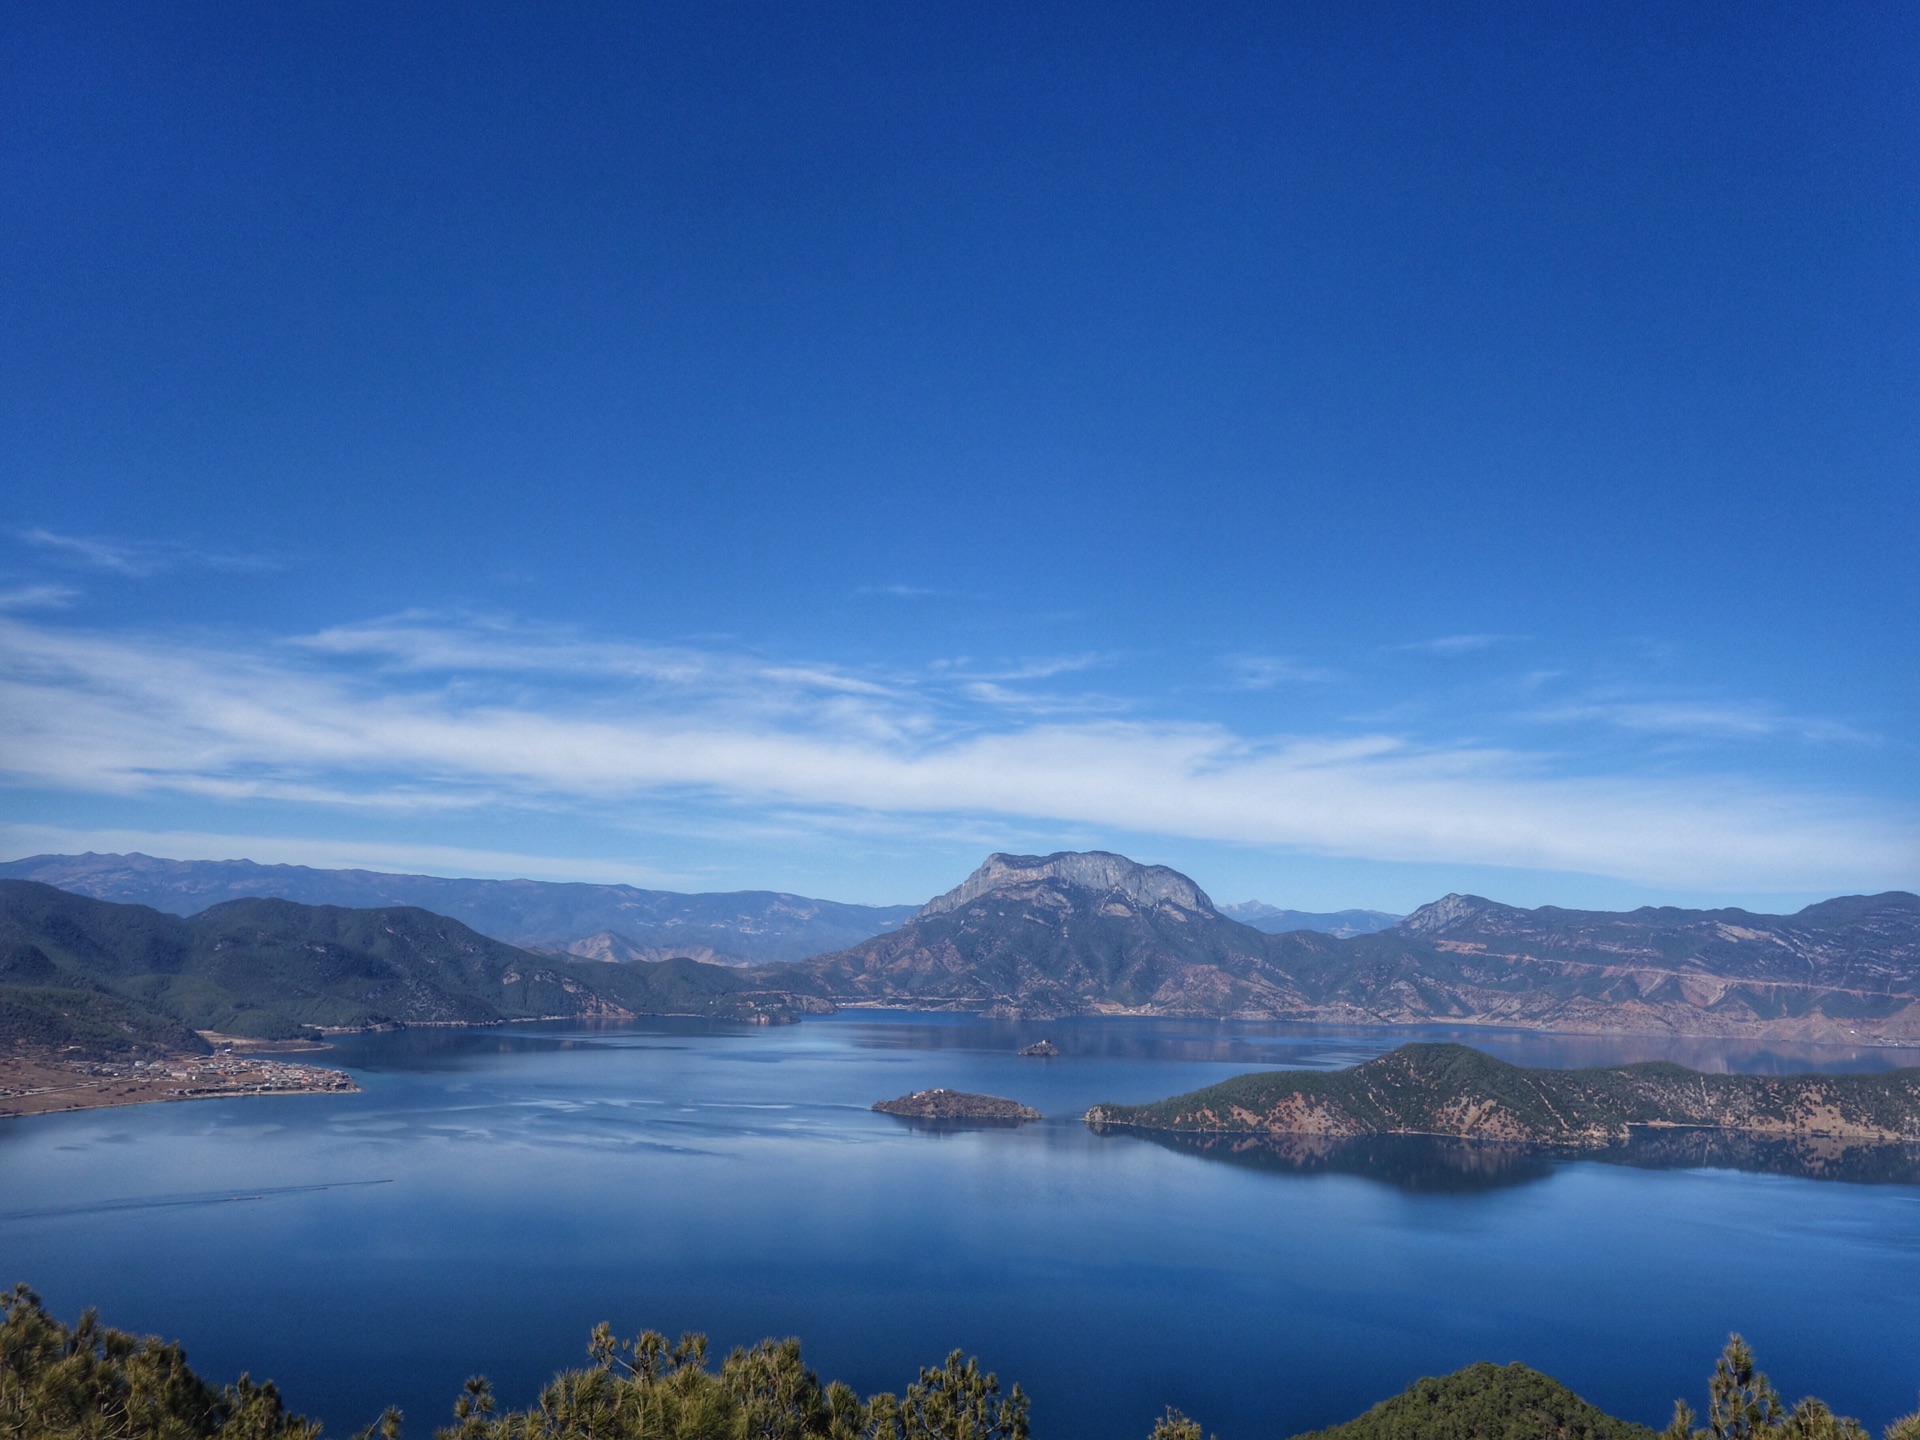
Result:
pixel 1094 933
pixel 599 921
pixel 1036 936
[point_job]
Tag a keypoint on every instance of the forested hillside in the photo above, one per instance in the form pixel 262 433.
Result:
pixel 79 972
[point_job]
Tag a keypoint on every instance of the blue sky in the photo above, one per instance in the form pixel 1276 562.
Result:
pixel 1348 452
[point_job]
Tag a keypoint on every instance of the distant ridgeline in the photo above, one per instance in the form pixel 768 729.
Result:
pixel 58 1382
pixel 105 979
pixel 1453 1090
pixel 601 922
pixel 1093 933
pixel 1342 923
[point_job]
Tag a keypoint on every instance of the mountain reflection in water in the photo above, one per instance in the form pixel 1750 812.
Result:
pixel 1442 1164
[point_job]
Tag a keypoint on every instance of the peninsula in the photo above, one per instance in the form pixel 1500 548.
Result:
pixel 1454 1090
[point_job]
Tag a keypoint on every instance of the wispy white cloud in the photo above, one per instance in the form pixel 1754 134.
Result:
pixel 1045 669
pixel 1705 720
pixel 38 597
pixel 912 592
pixel 332 724
pixel 136 558
pixel 1041 702
pixel 1448 645
pixel 1266 672
pixel 428 642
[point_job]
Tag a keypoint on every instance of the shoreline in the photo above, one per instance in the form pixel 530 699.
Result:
pixel 1764 1034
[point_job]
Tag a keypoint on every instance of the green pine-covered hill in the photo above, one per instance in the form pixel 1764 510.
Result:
pixel 274 969
pixel 1427 1089
pixel 1485 1402
pixel 95 1023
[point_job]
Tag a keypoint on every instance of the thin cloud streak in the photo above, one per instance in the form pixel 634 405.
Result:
pixel 38 597
pixel 1265 672
pixel 1447 645
pixel 423 642
pixel 912 592
pixel 1704 719
pixel 137 559
pixel 103 714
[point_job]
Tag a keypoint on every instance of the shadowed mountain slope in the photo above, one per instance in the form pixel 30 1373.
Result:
pixel 273 968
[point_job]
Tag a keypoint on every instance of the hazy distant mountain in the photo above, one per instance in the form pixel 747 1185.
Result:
pixel 76 971
pixel 744 927
pixel 1275 921
pixel 605 945
pixel 1089 934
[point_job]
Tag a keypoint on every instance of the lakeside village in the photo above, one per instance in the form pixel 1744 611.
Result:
pixel 47 1085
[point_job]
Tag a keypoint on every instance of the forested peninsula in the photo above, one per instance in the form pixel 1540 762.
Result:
pixel 60 1382
pixel 1454 1090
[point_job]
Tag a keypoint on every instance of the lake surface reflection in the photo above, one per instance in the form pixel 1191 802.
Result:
pixel 494 1193
pixel 1432 1162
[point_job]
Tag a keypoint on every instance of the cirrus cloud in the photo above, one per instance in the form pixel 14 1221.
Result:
pixel 431 715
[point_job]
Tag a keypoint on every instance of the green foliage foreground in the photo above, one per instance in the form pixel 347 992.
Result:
pixel 89 1382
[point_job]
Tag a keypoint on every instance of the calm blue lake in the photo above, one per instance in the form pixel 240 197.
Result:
pixel 493 1194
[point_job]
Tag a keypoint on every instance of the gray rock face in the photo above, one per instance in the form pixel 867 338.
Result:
pixel 1447 913
pixel 1089 869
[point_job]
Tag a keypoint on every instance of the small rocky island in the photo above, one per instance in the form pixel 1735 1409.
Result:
pixel 1045 1049
pixel 957 1105
pixel 1454 1090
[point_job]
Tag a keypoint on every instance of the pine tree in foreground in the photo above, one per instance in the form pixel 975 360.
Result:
pixel 89 1382
pixel 1742 1404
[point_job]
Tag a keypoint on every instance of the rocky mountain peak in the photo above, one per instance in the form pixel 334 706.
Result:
pixel 1446 913
pixel 1096 870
